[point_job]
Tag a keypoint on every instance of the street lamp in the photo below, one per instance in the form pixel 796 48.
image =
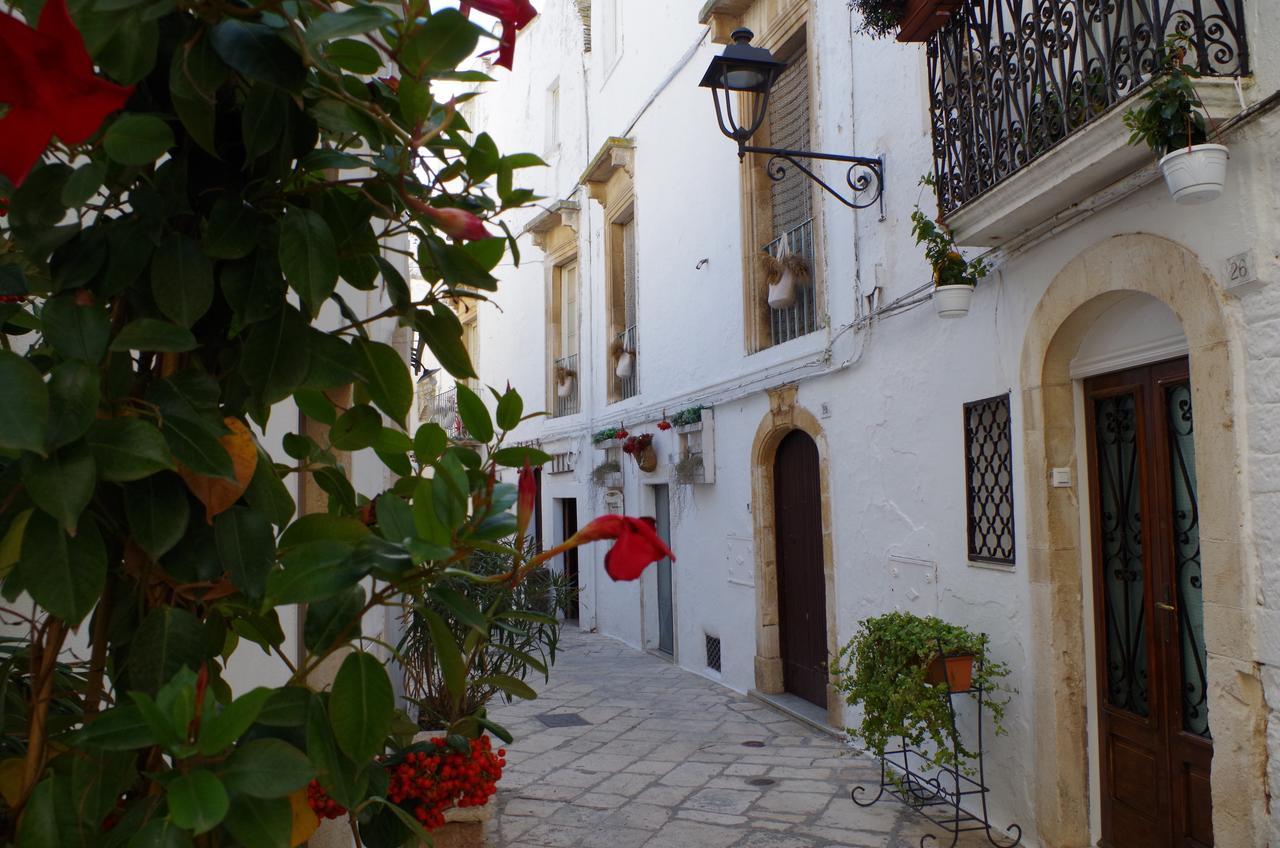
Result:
pixel 745 70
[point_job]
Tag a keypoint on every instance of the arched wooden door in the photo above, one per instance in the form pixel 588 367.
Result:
pixel 802 595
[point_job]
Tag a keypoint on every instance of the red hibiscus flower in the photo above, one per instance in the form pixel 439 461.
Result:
pixel 636 544
pixel 514 14
pixel 526 499
pixel 47 80
pixel 453 222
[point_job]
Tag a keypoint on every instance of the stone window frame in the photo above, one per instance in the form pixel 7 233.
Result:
pixel 610 181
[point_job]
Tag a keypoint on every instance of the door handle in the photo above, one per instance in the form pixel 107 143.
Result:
pixel 1166 607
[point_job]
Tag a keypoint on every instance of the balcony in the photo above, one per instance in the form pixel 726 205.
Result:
pixel 442 408
pixel 1027 99
pixel 565 387
pixel 625 385
pixel 801 318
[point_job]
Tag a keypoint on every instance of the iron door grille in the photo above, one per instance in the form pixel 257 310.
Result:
pixel 988 439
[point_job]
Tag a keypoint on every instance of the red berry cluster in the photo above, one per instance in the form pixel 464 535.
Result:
pixel 429 783
pixel 321 804
pixel 664 425
pixel 636 444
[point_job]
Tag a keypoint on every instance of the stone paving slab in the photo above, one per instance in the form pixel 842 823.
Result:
pixel 662 765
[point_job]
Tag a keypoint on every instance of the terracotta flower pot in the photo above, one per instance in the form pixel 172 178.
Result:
pixel 956 672
pixel 922 18
pixel 647 459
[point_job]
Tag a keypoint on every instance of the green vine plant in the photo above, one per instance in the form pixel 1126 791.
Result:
pixel 950 268
pixel 685 417
pixel 604 470
pixel 880 18
pixel 689 469
pixel 883 670
pixel 605 435
pixel 1172 114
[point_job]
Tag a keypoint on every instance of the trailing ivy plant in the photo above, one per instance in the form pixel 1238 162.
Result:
pixel 880 18
pixel 201 199
pixel 883 669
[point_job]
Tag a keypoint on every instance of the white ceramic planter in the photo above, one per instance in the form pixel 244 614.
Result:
pixel 1195 174
pixel 952 301
pixel 782 294
pixel 626 365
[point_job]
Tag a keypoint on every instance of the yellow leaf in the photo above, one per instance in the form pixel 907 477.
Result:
pixel 305 821
pixel 217 494
pixel 11 772
pixel 11 544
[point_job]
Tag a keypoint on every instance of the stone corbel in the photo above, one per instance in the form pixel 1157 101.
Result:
pixel 782 403
pixel 724 16
pixel 617 154
pixel 562 213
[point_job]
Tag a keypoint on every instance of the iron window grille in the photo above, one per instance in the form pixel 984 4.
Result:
pixel 713 652
pixel 565 386
pixel 1010 79
pixel 988 438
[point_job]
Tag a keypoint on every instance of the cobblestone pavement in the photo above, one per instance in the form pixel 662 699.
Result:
pixel 670 759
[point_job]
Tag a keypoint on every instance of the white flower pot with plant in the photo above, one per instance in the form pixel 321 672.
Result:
pixel 1173 123
pixel 624 360
pixel 784 277
pixel 954 277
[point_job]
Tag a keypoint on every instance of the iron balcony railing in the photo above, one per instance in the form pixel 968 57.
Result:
pixel 801 318
pixel 565 386
pixel 442 408
pixel 627 386
pixel 1009 79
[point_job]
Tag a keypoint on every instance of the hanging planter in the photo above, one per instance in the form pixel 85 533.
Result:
pixel 624 360
pixel 908 20
pixel 564 381
pixel 783 278
pixel 640 448
pixel 952 301
pixel 1172 121
pixel 954 277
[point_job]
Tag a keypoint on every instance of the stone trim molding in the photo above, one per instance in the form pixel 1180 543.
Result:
pixel 1059 560
pixel 785 416
pixel 562 213
pixel 616 154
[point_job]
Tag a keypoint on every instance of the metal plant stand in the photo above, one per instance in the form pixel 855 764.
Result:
pixel 944 795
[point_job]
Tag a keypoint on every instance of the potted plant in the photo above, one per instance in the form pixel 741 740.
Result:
pixel 689 469
pixel 564 381
pixel 954 277
pixel 606 438
pixel 687 418
pixel 608 474
pixel 901 667
pixel 783 277
pixel 912 20
pixel 1173 123
pixel 624 359
pixel 640 448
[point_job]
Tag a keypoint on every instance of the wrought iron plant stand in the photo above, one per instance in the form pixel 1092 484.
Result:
pixel 940 792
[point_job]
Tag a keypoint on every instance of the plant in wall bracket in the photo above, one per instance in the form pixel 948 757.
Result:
pixel 608 434
pixel 603 474
pixel 910 20
pixel 898 667
pixel 954 277
pixel 1172 121
pixel 640 448
pixel 685 417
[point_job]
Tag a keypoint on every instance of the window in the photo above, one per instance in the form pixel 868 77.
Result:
pixel 621 303
pixel 611 33
pixel 562 336
pixel 471 342
pixel 553 118
pixel 989 479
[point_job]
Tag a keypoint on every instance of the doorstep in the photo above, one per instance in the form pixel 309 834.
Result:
pixel 799 709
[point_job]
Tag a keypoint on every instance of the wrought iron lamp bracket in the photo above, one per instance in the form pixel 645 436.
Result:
pixel 865 176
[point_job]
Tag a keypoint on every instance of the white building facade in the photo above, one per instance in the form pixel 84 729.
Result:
pixel 1106 416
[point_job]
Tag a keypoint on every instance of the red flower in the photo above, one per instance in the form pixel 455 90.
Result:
pixel 453 222
pixel 47 81
pixel 528 495
pixel 636 544
pixel 664 425
pixel 514 14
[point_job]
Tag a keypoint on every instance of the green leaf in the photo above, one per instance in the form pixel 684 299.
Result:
pixel 258 53
pixel 429 442
pixel 220 731
pixel 310 528
pixel 516 457
pixel 62 485
pixel 483 160
pixel 312 572
pixel 64 574
pixel 386 376
pixel 338 776
pixel 83 184
pixel 158 512
pixel 356 428
pixel 395 518
pixel 161 833
pixel 386 559
pixel 48 821
pixel 11 542
pixel 260 822
pixel 181 279
pixel 355 21
pixel 260 124
pixel 286 707
pixel 246 547
pixel 510 685
pixel 268 494
pixel 440 44
pixel 354 56
pixel 168 640
pixel 118 729
pixel 232 228
pixel 197 801
pixel 331 361
pixel 196 448
pixel 267 768
pixel 275 359
pixel 448 654
pixel 316 405
pixel 76 332
pixel 510 410
pixel 73 402
pixel 415 100
pixel 151 334
pixel 332 618
pixel 443 335
pixel 474 415
pixel 462 608
pixel 127 449
pixel 308 256
pixel 361 706
pixel 135 139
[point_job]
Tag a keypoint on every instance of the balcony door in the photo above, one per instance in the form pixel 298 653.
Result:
pixel 1156 750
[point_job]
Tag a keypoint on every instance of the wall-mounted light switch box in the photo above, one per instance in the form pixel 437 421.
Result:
pixel 1061 478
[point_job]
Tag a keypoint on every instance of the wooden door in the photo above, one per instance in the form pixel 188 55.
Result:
pixel 1156 750
pixel 802 594
pixel 569 527
pixel 666 607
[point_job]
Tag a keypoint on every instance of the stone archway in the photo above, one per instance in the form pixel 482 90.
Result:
pixel 785 416
pixel 1086 287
